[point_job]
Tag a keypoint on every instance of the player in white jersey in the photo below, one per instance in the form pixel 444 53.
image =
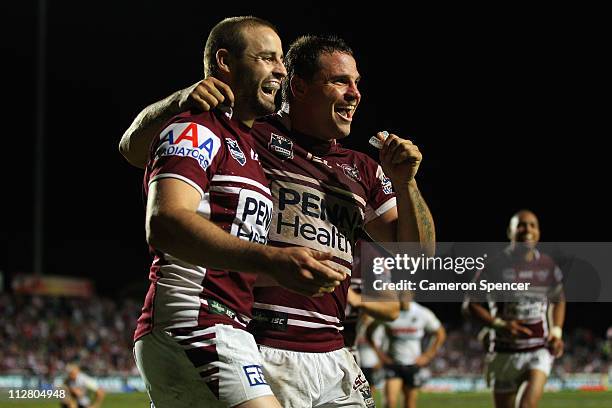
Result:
pixel 404 356
pixel 368 360
pixel 523 341
pixel 80 388
pixel 359 315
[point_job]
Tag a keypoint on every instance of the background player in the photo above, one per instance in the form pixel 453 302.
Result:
pixel 404 358
pixel 359 313
pixel 524 342
pixel 372 367
pixel 80 388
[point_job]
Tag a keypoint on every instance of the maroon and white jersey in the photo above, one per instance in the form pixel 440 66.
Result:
pixel 322 193
pixel 531 307
pixel 214 155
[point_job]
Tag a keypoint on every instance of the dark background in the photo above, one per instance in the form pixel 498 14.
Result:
pixel 505 104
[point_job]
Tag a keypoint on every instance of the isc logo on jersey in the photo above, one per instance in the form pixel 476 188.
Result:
pixel 189 140
pixel 253 217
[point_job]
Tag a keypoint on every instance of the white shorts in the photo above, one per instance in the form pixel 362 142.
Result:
pixel 301 380
pixel 506 371
pixel 217 366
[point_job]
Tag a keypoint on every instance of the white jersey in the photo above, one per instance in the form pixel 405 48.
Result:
pixel 407 331
pixel 367 356
pixel 85 384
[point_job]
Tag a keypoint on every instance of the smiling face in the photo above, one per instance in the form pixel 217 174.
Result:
pixel 332 95
pixel 524 228
pixel 257 73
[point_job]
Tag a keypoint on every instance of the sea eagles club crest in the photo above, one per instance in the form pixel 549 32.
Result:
pixel 350 171
pixel 281 146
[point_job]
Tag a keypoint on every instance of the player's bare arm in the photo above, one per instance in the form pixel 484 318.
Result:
pixel 382 356
pixel 173 226
pixel 411 220
pixel 555 339
pixel 203 95
pixel 100 394
pixel 439 337
pixel 386 311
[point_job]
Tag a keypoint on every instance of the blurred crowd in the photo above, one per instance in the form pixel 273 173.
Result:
pixel 40 335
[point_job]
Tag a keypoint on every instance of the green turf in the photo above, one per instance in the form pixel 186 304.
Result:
pixel 134 400
pixel 573 399
pixel 564 399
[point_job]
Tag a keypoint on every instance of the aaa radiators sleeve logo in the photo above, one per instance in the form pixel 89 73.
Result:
pixel 189 140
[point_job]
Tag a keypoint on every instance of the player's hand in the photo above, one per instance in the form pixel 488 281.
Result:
pixel 385 359
pixel 304 271
pixel 516 329
pixel 556 346
pixel 353 298
pixel 422 360
pixel 399 158
pixel 205 95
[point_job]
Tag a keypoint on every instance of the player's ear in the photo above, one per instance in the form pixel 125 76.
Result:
pixel 298 87
pixel 223 57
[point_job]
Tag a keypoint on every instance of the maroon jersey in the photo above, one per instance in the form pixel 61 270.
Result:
pixel 531 307
pixel 214 155
pixel 322 193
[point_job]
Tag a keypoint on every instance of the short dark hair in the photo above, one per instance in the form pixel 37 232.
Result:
pixel 302 59
pixel 228 34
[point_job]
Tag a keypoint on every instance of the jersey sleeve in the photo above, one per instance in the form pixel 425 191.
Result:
pixel 381 197
pixel 557 283
pixel 187 151
pixel 432 323
pixel 88 382
pixel 557 274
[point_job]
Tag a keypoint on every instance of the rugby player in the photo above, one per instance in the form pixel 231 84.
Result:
pixel 523 341
pixel 209 209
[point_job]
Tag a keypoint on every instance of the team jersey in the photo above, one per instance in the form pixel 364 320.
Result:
pixel 367 356
pixel 214 155
pixel 407 331
pixel 83 385
pixel 323 194
pixel 531 307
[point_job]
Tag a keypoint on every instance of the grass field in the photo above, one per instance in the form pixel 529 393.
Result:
pixel 570 399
